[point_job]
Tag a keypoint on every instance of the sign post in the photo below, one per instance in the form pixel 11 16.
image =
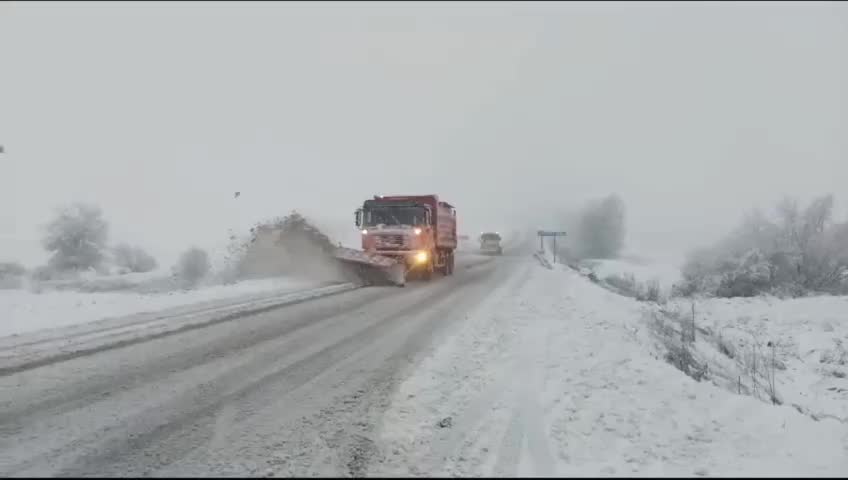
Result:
pixel 544 233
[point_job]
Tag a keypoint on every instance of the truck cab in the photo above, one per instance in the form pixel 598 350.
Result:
pixel 490 243
pixel 420 231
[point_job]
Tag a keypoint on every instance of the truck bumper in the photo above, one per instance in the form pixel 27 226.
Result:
pixel 413 259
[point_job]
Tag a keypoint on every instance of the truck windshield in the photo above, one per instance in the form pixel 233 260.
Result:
pixel 395 216
pixel 490 237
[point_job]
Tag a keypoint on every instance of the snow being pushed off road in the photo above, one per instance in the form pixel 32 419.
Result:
pixel 553 376
pixel 24 311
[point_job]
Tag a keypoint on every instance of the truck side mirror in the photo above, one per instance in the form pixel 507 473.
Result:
pixel 358 216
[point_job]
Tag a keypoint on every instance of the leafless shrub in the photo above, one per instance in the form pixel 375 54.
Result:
pixel 726 347
pixel 651 292
pixel 627 285
pixel 668 328
pixel 134 259
pixel 681 357
pixel 837 355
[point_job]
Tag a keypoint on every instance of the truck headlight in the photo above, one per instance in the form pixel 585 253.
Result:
pixel 365 232
pixel 421 257
pixel 417 231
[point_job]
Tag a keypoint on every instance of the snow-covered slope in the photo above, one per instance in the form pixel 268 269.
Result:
pixel 810 346
pixel 643 270
pixel 556 376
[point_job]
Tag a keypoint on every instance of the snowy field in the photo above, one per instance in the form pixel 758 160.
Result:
pixel 808 356
pixel 26 311
pixel 801 343
pixel 71 302
pixel 554 375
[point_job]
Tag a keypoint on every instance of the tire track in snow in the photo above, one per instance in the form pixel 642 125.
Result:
pixel 494 427
pixel 419 406
pixel 536 434
pixel 524 449
pixel 483 406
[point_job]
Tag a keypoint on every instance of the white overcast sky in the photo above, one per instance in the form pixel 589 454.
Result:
pixel 158 112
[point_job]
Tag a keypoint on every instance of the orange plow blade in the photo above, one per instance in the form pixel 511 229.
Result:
pixel 371 268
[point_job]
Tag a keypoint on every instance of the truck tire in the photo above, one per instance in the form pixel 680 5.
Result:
pixel 427 273
pixel 443 259
pixel 450 263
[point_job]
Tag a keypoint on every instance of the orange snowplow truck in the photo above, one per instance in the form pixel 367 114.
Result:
pixel 418 231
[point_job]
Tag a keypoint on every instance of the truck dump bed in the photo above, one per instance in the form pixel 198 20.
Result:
pixel 444 217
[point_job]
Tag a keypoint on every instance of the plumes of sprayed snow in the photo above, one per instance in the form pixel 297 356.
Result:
pixel 557 376
pixel 290 246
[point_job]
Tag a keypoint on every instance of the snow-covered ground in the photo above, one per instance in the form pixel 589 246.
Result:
pixel 61 303
pixel 554 375
pixel 810 338
pixel 643 270
pixel 25 311
pixel 810 354
pixel 91 282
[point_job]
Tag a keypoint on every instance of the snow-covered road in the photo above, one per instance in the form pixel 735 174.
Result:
pixel 506 368
pixel 292 390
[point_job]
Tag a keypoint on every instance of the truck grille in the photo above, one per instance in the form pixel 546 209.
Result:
pixel 389 242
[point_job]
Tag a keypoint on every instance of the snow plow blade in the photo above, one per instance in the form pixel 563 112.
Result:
pixel 372 269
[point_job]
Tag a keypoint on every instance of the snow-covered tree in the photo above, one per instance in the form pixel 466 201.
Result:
pixel 11 274
pixel 601 228
pixel 76 238
pixel 192 266
pixel 801 251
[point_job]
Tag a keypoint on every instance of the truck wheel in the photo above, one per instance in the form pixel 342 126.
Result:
pixel 450 263
pixel 427 273
pixel 443 259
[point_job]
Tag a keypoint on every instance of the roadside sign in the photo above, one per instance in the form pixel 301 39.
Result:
pixel 545 233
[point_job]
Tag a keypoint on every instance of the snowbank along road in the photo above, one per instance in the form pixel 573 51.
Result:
pixel 554 376
pixel 295 390
pixel 506 368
